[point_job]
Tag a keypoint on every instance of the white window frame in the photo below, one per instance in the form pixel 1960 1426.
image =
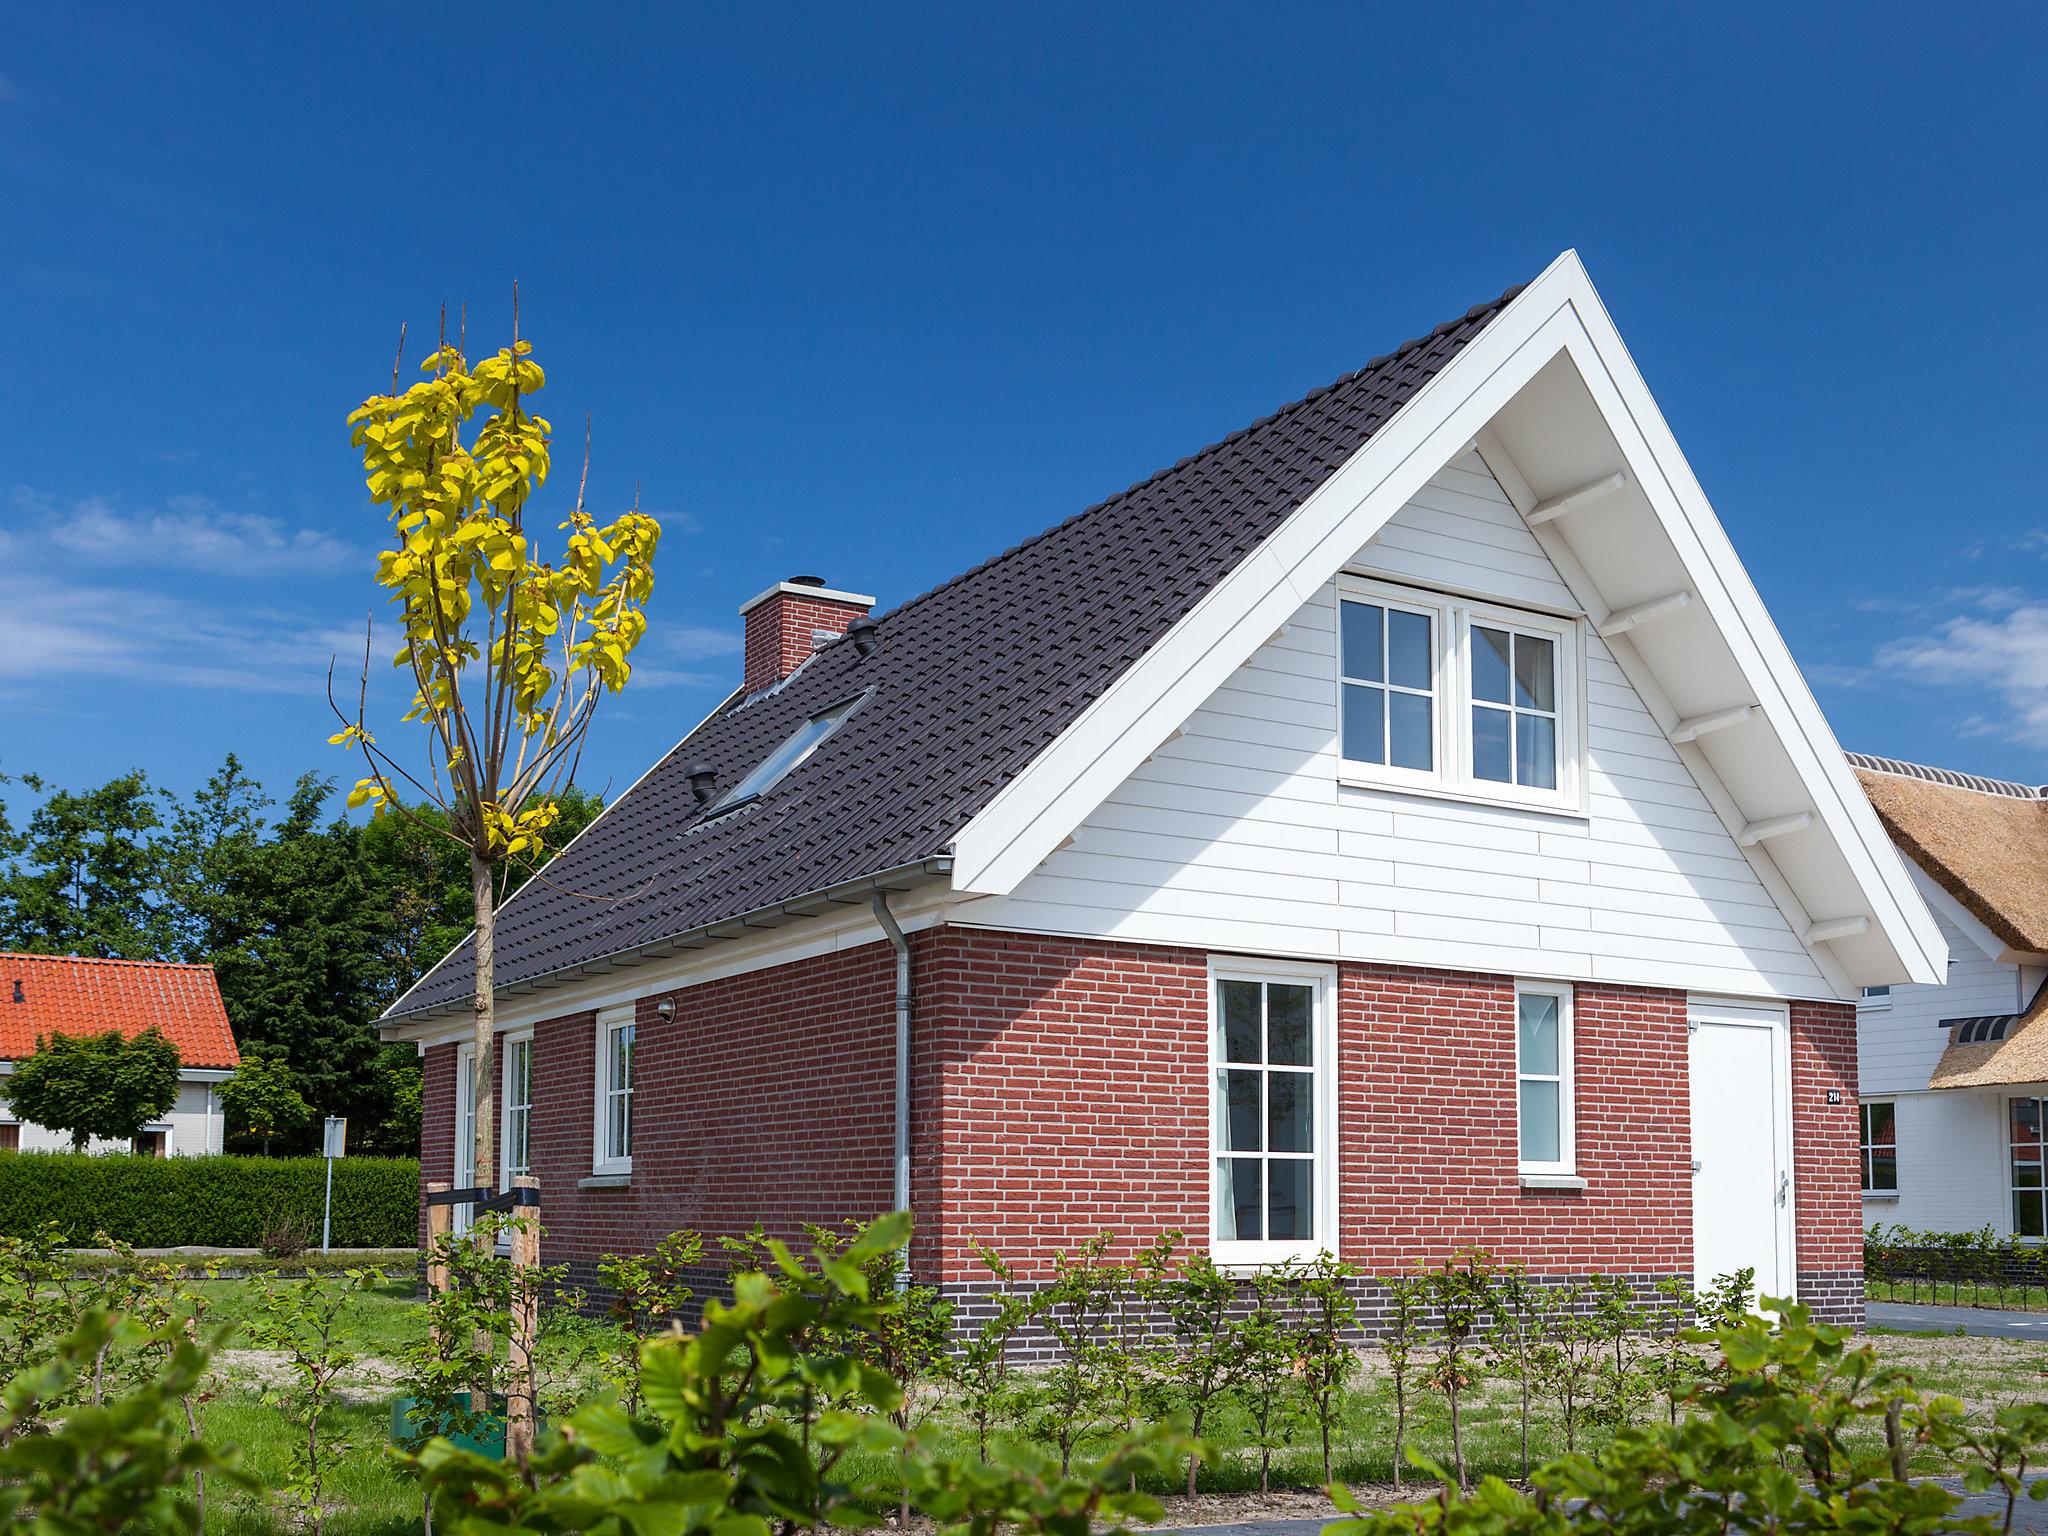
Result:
pixel 2014 1189
pixel 1323 980
pixel 1870 999
pixel 1566 1164
pixel 610 1021
pixel 1440 670
pixel 1864 1145
pixel 506 1042
pixel 1453 616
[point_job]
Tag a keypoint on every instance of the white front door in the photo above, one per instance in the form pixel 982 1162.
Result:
pixel 1741 1145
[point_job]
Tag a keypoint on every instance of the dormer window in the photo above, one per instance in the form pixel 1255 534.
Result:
pixel 780 763
pixel 1447 695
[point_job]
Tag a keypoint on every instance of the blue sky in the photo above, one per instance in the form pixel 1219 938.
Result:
pixel 875 292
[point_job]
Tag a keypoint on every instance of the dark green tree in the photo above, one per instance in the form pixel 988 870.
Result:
pixel 107 1086
pixel 84 875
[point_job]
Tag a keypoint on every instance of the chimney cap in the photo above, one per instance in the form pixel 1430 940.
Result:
pixel 808 587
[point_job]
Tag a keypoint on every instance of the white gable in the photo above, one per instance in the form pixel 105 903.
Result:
pixel 1237 835
pixel 1567 425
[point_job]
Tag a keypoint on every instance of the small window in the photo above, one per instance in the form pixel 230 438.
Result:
pixel 778 764
pixel 10 1137
pixel 518 1107
pixel 1875 997
pixel 1880 1148
pixel 1543 1078
pixel 1514 707
pixel 2029 1219
pixel 614 1140
pixel 1272 1165
pixel 1389 670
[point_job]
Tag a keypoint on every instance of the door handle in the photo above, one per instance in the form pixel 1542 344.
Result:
pixel 1784 1184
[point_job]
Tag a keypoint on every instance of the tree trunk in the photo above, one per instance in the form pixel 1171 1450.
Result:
pixel 484 1119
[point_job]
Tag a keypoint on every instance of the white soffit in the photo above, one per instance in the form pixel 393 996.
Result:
pixel 1562 408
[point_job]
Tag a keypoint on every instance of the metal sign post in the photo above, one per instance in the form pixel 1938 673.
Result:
pixel 336 1139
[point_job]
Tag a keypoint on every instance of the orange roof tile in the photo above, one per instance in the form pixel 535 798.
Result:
pixel 43 994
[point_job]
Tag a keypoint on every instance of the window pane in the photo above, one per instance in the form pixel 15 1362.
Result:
pixel 1289 1112
pixel 1408 648
pixel 1239 1024
pixel 1490 745
pixel 1237 1117
pixel 1237 1200
pixel 1362 655
pixel 1290 1011
pixel 1540 1122
pixel 1883 1124
pixel 2026 1175
pixel 1410 730
pixel 1535 672
pixel 1537 1013
pixel 1365 725
pixel 1536 751
pixel 2026 1214
pixel 1490 664
pixel 2026 1121
pixel 1884 1171
pixel 1290 1204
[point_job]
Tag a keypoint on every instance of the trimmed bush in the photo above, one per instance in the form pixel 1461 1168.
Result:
pixel 213 1202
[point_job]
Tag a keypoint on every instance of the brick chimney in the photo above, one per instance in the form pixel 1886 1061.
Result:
pixel 789 621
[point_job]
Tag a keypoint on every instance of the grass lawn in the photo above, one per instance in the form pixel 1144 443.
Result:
pixel 2032 1298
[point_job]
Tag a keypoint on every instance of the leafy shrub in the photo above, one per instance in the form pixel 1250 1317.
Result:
pixel 223 1202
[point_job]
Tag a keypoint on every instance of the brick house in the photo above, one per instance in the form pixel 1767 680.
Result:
pixel 1396 827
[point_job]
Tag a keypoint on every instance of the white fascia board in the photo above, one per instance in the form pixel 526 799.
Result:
pixel 1129 720
pixel 1939 900
pixel 1558 312
pixel 1722 584
pixel 395 1033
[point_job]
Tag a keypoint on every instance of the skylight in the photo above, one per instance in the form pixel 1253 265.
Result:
pixel 777 764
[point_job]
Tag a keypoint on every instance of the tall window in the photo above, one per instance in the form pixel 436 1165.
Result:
pixel 1543 1077
pixel 2025 1120
pixel 614 1149
pixel 518 1107
pixel 1445 695
pixel 1514 707
pixel 465 1118
pixel 1271 1164
pixel 1389 665
pixel 1880 1147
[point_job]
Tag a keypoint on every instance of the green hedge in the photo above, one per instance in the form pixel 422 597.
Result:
pixel 214 1202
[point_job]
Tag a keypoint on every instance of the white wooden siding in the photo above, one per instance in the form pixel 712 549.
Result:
pixel 1898 1046
pixel 1952 1162
pixel 1236 835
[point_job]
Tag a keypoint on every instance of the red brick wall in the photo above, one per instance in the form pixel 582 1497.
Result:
pixel 782 631
pixel 437 1122
pixel 768 1098
pixel 1070 1095
pixel 1828 1174
pixel 1427 1127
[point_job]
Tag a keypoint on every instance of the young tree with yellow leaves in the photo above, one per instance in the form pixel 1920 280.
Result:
pixel 509 654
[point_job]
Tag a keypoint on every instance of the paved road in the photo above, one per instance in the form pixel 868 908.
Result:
pixel 1978 1320
pixel 2029 1515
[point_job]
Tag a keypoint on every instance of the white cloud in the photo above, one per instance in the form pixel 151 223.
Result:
pixel 187 532
pixel 51 632
pixel 2004 651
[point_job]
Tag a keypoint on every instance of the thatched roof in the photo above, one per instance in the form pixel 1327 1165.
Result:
pixel 1986 1053
pixel 1984 841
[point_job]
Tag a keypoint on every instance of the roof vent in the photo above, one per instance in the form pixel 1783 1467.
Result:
pixel 807 581
pixel 703 780
pixel 864 633
pixel 17 991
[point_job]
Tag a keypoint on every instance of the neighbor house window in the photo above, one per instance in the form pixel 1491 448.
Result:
pixel 1451 696
pixel 1876 997
pixel 2024 1120
pixel 1543 1078
pixel 614 1140
pixel 1880 1147
pixel 518 1107
pixel 10 1137
pixel 1271 1095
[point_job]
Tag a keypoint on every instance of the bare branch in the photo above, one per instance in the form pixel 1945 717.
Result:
pixel 398 361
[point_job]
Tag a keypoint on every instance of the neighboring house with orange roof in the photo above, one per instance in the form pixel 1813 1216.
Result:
pixel 42 995
pixel 1954 1078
